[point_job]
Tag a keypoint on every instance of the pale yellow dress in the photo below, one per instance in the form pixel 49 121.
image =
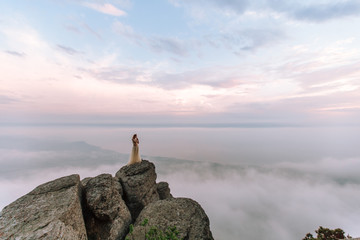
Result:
pixel 135 154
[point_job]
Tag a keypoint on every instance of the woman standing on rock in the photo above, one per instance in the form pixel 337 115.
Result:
pixel 135 154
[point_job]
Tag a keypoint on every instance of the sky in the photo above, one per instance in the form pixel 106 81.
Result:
pixel 262 96
pixel 172 61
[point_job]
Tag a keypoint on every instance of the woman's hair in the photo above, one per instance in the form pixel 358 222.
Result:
pixel 134 136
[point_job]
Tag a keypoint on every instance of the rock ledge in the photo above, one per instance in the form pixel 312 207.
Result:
pixel 102 208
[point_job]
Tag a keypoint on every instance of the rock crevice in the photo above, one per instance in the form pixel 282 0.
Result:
pixel 138 182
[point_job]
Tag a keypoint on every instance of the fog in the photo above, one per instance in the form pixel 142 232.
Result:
pixel 252 183
pixel 269 203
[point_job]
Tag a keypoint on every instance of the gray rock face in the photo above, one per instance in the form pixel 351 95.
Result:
pixel 102 208
pixel 185 214
pixel 163 190
pixel 51 211
pixel 139 185
pixel 106 214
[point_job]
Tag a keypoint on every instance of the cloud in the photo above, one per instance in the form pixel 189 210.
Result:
pixel 248 39
pixel 343 171
pixel 339 108
pixel 106 8
pixel 268 198
pixel 245 202
pixel 7 100
pixel 326 12
pixel 298 87
pixel 229 5
pixel 239 6
pixel 82 28
pixel 199 83
pixel 67 50
pixel 27 162
pixel 156 44
pixel 317 12
pixel 329 78
pixel 128 32
pixel 15 53
pixel 92 31
pixel 270 201
pixel 326 73
pixel 171 45
pixel 119 74
pixel 312 12
pixel 216 77
pixel 219 77
pixel 237 39
pixel 22 156
pixel 242 202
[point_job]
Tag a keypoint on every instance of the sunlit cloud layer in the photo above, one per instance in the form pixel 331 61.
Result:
pixel 280 201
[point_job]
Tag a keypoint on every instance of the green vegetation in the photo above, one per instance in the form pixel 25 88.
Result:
pixel 327 234
pixel 154 233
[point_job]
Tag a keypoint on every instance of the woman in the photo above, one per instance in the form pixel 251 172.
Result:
pixel 135 155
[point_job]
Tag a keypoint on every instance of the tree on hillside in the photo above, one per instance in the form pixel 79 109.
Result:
pixel 326 234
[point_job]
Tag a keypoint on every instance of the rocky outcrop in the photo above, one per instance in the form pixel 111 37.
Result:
pixel 186 214
pixel 51 211
pixel 163 190
pixel 106 214
pixel 102 208
pixel 139 185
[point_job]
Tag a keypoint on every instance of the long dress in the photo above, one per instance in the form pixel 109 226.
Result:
pixel 135 154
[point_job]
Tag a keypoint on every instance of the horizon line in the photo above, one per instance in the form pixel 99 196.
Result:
pixel 170 125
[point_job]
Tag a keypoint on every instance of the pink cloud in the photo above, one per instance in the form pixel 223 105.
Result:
pixel 106 8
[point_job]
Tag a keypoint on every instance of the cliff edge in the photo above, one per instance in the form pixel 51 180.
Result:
pixel 103 207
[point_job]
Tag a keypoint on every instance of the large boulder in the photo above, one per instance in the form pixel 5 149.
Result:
pixel 106 214
pixel 185 214
pixel 163 190
pixel 51 211
pixel 139 185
